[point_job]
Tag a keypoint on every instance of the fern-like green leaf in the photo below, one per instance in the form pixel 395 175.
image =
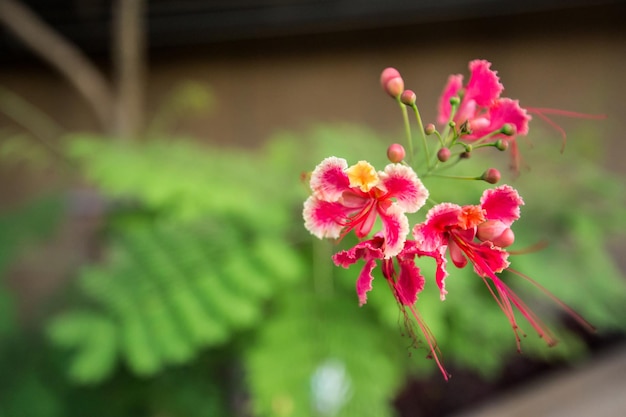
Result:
pixel 93 337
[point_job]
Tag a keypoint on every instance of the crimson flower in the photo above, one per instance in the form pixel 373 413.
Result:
pixel 352 198
pixel 482 108
pixel 455 229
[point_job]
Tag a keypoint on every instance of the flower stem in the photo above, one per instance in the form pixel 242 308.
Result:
pixel 423 134
pixel 407 128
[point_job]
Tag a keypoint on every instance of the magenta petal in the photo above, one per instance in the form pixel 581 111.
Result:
pixel 395 229
pixel 441 274
pixel 367 249
pixel 364 282
pixel 328 180
pixel 484 85
pixel 402 183
pixel 509 111
pixel 322 218
pixel 457 255
pixel 487 258
pixel 501 203
pixel 410 282
pixel 430 235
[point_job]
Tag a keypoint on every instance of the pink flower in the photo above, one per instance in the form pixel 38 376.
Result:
pixel 352 198
pixel 482 108
pixel 453 227
pixel 405 285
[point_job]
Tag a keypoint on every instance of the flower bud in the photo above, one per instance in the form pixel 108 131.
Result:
pixel 443 154
pixel 392 82
pixel 455 101
pixel 492 176
pixel 429 129
pixel 508 129
pixel 408 97
pixel 396 153
pixel 502 145
pixel 496 232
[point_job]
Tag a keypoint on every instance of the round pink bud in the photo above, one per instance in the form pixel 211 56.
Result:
pixel 396 153
pixel 443 154
pixel 429 129
pixel 496 232
pixel 408 97
pixel 392 82
pixel 502 145
pixel 508 129
pixel 492 176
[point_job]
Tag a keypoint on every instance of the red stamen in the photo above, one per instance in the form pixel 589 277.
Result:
pixel 542 111
pixel 357 219
pixel 529 315
pixel 584 323
pixel 506 308
pixel 430 340
pixel 541 245
pixel 389 273
pixel 506 296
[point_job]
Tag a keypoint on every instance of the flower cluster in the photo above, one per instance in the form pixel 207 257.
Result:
pixel 353 198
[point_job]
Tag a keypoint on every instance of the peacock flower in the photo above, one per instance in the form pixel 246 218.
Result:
pixel 352 198
pixel 482 110
pixel 452 228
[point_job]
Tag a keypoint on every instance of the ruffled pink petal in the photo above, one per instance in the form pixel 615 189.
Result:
pixel 410 282
pixel 395 229
pixel 506 110
pixel 324 219
pixel 364 282
pixel 484 85
pixel 452 88
pixel 456 254
pixel 487 258
pixel 402 183
pixel 430 235
pixel 501 203
pixel 368 249
pixel 509 111
pixel 328 180
pixel 502 111
pixel 412 248
pixel 442 273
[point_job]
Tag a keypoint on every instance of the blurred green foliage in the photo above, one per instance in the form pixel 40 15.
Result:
pixel 23 376
pixel 211 299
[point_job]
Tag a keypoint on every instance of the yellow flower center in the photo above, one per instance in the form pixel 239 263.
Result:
pixel 362 175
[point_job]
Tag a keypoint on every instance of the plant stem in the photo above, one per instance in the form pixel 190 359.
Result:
pixel 423 134
pixel 407 128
